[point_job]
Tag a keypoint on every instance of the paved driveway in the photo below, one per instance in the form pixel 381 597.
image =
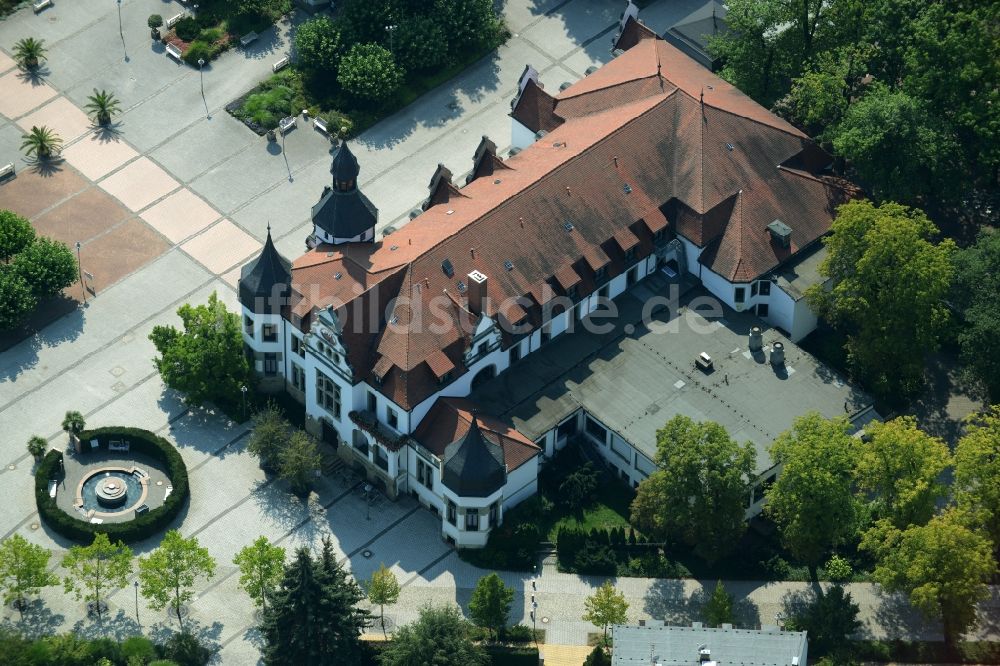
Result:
pixel 203 188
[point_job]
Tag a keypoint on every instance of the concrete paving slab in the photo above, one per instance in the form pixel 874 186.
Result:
pixel 60 115
pixel 232 278
pixel 139 184
pixel 563 30
pixel 120 252
pixel 286 206
pixel 227 186
pixel 180 215
pixel 202 145
pixel 81 217
pixel 98 154
pixel 32 192
pixel 221 246
pixel 20 93
pixel 6 62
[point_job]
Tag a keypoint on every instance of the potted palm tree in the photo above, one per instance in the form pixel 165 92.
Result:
pixel 37 446
pixel 155 21
pixel 29 52
pixel 101 106
pixel 41 142
pixel 73 424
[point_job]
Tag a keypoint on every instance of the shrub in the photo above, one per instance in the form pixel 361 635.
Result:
pixel 266 108
pixel 578 488
pixel 139 528
pixel 154 21
pixel 138 647
pixel 502 655
pixel 187 29
pixel 186 650
pixel 519 633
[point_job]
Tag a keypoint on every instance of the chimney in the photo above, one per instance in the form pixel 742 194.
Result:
pixel 777 354
pixel 756 339
pixel 477 292
pixel 781 233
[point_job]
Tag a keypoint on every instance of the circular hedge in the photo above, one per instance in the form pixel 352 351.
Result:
pixel 142 526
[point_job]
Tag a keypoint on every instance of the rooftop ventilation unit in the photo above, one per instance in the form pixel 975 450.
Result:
pixel 704 655
pixel 627 188
pixel 568 226
pixel 729 147
pixel 509 265
pixel 780 232
pixel 337 276
pixel 448 269
pixel 461 287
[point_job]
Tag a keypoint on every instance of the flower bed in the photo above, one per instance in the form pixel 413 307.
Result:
pixel 137 529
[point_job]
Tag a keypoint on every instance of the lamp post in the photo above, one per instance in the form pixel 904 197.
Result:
pixel 534 614
pixel 79 266
pixel 136 585
pixel 243 390
pixel 121 32
pixel 391 29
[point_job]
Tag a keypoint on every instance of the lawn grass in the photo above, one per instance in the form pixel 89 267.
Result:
pixel 609 511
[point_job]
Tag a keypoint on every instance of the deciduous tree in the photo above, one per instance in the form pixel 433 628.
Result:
pixel 16 298
pixel 383 588
pixel 976 293
pixel 204 361
pixel 700 488
pixel 16 234
pixel 490 603
pixel 319 46
pixel 299 461
pixel 899 467
pixel 942 567
pixel 812 501
pixel 168 574
pixel 23 570
pixel 47 266
pixel 270 435
pixel 606 607
pixel 440 636
pixel 370 72
pixel 262 566
pixel 889 280
pixel 977 473
pixel 96 569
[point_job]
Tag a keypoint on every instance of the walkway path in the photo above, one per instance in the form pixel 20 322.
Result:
pixel 202 188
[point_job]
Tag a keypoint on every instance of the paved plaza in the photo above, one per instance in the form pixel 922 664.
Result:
pixel 168 205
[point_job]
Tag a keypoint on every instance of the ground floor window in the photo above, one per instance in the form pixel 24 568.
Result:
pixel 270 364
pixel 451 512
pixel 298 377
pixel 762 309
pixel 327 394
pixel 472 520
pixel 425 475
pixel 494 510
pixel 381 459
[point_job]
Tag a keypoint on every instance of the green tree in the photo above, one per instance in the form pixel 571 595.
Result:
pixel 95 569
pixel 830 620
pixel 942 567
pixel 299 461
pixel 606 607
pixel 270 435
pixel 838 569
pixel 718 609
pixel 73 423
pixel 490 603
pixel 23 571
pixel 16 234
pixel 820 96
pixel 319 46
pixel 41 142
pixel 16 298
pixel 37 446
pixel 899 149
pixel 812 501
pixel 168 574
pixel 977 473
pixel 598 657
pixel 206 360
pixel 138 650
pixel 976 293
pixel 899 467
pixel 102 105
pixel 699 489
pixel 184 649
pixel 383 588
pixel 888 284
pixel 440 636
pixel 420 43
pixel 370 72
pixel 262 566
pixel 468 23
pixel 29 52
pixel 313 617
pixel 47 265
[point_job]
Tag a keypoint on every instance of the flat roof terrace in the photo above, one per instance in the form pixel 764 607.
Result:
pixel 638 375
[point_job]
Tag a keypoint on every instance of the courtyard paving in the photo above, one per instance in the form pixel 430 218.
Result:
pixel 175 198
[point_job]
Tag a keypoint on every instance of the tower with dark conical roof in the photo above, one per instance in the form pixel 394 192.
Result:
pixel 264 289
pixel 343 214
pixel 474 466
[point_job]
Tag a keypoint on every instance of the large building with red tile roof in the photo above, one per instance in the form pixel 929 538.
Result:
pixel 650 163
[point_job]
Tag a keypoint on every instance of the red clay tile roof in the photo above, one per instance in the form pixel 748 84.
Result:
pixel 709 167
pixel 534 109
pixel 632 33
pixel 449 419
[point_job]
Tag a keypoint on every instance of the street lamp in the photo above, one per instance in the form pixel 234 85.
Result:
pixel 121 32
pixel 136 584
pixel 391 29
pixel 79 266
pixel 243 389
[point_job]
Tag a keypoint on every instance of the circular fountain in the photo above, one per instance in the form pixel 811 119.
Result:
pixel 111 491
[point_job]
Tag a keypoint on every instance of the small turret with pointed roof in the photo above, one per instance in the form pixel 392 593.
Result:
pixel 265 283
pixel 343 214
pixel 474 466
pixel 344 168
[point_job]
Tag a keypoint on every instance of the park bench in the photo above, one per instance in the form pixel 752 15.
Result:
pixel 173 20
pixel 39 5
pixel 117 445
pixel 280 64
pixel 173 51
pixel 7 171
pixel 320 124
pixel 53 486
pixel 248 39
pixel 286 124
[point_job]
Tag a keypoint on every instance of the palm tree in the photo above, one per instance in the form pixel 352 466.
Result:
pixel 37 446
pixel 73 423
pixel 41 141
pixel 29 52
pixel 102 105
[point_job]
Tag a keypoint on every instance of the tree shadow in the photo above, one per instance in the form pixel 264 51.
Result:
pixel 666 600
pixel 36 77
pixel 207 635
pixel 112 132
pixel 896 617
pixel 40 332
pixel 118 625
pixel 947 398
pixel 46 167
pixel 38 620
